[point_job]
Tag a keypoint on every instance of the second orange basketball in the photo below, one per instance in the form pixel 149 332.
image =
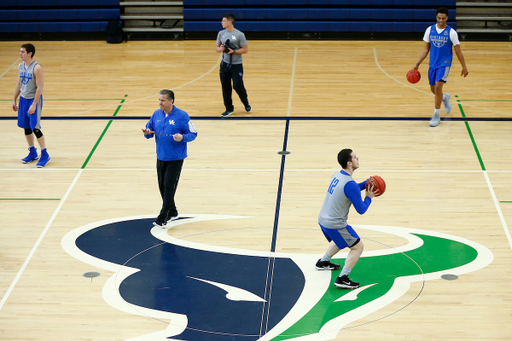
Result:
pixel 413 76
pixel 377 183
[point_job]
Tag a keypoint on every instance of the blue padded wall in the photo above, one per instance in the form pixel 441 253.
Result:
pixel 316 15
pixel 32 16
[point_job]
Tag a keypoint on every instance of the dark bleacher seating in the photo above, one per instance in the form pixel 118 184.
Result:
pixel 59 3
pixel 315 15
pixel 314 3
pixel 57 16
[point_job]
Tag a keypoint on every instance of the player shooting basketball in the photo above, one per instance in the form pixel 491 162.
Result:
pixel 439 40
pixel 343 191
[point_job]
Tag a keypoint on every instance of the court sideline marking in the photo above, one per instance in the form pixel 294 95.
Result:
pixel 393 78
pixel 272 259
pixel 103 133
pixel 291 84
pixel 54 215
pixel 486 176
pixel 39 240
pixel 332 170
pixel 267 296
pixel 10 67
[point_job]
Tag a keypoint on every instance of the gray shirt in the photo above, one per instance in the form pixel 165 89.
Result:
pixel 236 39
pixel 28 80
pixel 334 212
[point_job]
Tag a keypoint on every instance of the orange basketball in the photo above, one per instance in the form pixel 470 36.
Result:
pixel 378 183
pixel 413 76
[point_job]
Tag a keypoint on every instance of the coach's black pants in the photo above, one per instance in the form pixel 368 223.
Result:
pixel 234 72
pixel 168 177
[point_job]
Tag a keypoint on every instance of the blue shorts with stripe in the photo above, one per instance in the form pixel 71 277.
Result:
pixel 344 237
pixel 438 75
pixel 25 120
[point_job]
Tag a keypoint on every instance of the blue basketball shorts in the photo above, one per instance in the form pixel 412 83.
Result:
pixel 438 75
pixel 344 237
pixel 25 120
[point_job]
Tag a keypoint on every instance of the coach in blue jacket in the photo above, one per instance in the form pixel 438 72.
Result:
pixel 172 129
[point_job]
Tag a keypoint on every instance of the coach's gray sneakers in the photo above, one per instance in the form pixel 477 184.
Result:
pixel 435 120
pixel 446 103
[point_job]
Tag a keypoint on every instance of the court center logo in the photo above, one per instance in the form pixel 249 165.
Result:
pixel 204 292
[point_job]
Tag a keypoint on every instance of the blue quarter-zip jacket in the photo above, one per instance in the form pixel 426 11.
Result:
pixel 164 126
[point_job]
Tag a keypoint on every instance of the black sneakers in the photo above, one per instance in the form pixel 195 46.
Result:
pixel 248 108
pixel 326 265
pixel 227 113
pixel 173 218
pixel 160 224
pixel 345 283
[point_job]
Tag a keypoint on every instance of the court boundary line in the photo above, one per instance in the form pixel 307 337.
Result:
pixel 103 133
pixel 393 78
pixel 258 170
pixel 54 215
pixel 10 67
pixel 267 296
pixel 498 208
pixel 292 81
pixel 72 99
pixel 486 176
pixel 276 118
pixel 38 242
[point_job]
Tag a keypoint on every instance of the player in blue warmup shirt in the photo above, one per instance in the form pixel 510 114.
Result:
pixel 343 191
pixel 439 39
pixel 172 129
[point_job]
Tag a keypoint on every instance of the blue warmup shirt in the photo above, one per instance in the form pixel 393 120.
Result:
pixel 441 53
pixel 343 192
pixel 353 192
pixel 164 126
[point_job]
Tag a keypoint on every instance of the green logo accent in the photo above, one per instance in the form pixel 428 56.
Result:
pixel 378 275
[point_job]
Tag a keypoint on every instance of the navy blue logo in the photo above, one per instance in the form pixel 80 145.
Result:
pixel 223 296
pixel 210 293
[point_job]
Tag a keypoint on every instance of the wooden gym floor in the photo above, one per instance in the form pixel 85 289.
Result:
pixel 240 197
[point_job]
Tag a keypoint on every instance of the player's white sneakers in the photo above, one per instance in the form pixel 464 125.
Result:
pixel 435 120
pixel 446 103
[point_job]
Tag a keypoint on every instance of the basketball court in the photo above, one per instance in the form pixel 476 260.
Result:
pixel 79 259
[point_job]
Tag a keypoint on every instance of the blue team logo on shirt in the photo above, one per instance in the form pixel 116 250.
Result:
pixel 438 41
pixel 25 77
